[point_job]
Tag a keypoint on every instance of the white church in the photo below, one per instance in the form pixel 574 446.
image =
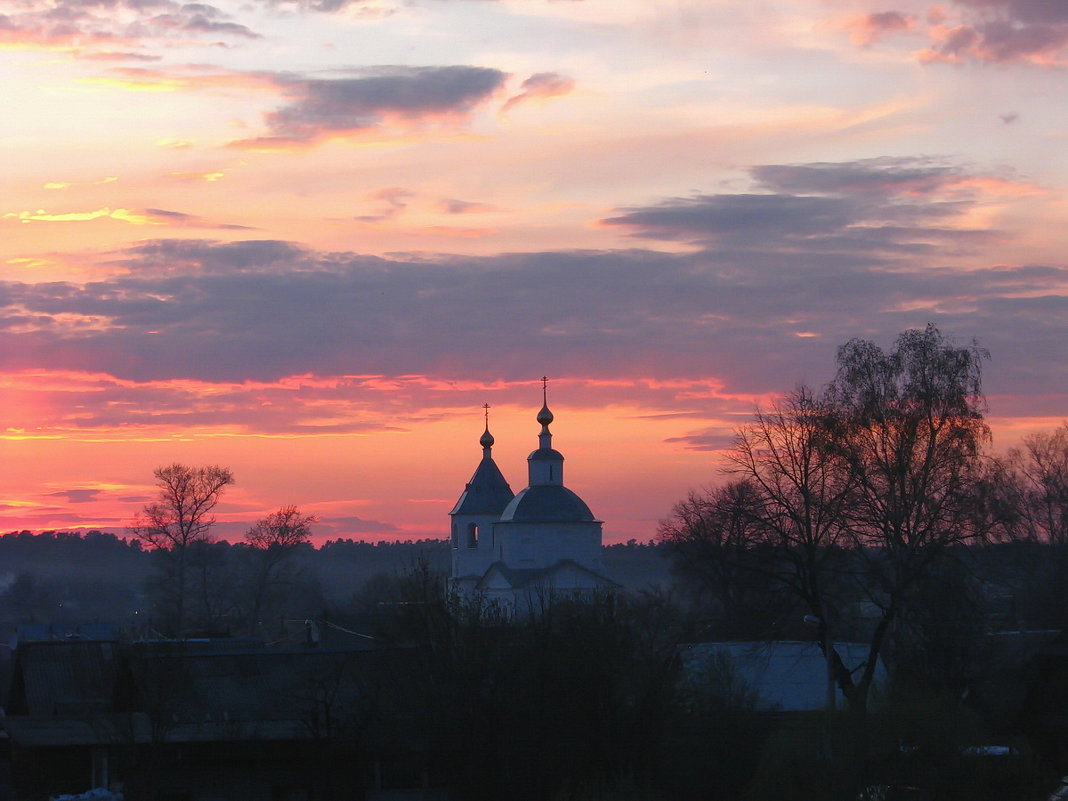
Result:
pixel 521 551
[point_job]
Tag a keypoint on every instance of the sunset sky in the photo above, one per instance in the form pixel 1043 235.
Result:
pixel 308 240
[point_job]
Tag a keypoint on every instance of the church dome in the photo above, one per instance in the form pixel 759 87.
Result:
pixel 545 416
pixel 547 503
pixel 546 455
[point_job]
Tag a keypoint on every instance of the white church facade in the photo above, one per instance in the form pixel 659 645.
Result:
pixel 522 550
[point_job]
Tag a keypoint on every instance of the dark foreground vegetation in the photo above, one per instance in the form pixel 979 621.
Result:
pixel 420 697
pixel 869 513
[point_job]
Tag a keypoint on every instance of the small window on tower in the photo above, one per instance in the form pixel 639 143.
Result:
pixel 472 535
pixel 455 536
pixel 550 472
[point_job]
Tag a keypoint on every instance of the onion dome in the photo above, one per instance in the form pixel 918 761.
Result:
pixel 545 416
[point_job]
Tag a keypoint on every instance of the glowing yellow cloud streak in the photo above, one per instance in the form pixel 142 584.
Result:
pixel 155 84
pixel 123 215
pixel 31 263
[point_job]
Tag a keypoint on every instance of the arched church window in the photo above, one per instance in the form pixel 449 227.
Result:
pixel 455 535
pixel 472 535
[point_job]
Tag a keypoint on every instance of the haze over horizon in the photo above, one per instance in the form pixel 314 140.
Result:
pixel 308 240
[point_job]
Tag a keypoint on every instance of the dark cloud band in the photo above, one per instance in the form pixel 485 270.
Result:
pixel 827 252
pixel 321 107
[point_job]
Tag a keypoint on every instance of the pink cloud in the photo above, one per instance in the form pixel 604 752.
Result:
pixel 394 200
pixel 88 28
pixel 1028 11
pixel 995 31
pixel 540 86
pixel 1000 42
pixel 454 206
pixel 999 31
pixel 870 28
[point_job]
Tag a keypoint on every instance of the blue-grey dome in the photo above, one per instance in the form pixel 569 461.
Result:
pixel 545 416
pixel 545 455
pixel 547 503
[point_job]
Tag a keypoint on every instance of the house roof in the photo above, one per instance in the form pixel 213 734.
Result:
pixel 83 692
pixel 64 677
pixel 243 685
pixel 783 676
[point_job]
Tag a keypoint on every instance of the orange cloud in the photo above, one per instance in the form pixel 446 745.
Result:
pixel 1002 187
pixel 456 232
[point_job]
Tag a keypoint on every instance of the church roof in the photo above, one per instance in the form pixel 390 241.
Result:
pixel 487 493
pixel 544 503
pixel 546 455
pixel 519 578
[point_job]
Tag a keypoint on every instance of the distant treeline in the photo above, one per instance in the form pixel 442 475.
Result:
pixel 51 552
pixel 70 578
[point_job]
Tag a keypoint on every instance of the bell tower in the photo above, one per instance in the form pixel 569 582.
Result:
pixel 479 507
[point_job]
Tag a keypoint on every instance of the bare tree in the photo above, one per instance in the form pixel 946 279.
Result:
pixel 909 427
pixel 715 536
pixel 1035 478
pixel 274 539
pixel 804 489
pixel 179 519
pixel 786 454
pixel 1025 502
pixel 876 480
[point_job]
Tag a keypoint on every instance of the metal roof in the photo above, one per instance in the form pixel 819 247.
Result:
pixel 547 503
pixel 785 676
pixel 64 677
pixel 487 493
pixel 545 455
pixel 519 578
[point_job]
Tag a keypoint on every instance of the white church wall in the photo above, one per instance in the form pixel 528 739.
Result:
pixel 468 560
pixel 538 545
